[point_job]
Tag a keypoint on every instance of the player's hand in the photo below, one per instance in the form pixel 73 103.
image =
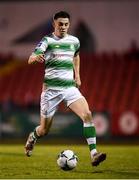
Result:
pixel 33 59
pixel 40 58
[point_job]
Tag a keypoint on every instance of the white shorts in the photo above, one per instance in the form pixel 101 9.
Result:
pixel 50 99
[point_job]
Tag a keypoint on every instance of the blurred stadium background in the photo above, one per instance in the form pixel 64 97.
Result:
pixel 109 36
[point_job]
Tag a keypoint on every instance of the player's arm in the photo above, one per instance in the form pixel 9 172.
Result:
pixel 76 63
pixel 38 54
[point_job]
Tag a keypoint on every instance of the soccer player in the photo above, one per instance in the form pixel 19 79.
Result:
pixel 60 53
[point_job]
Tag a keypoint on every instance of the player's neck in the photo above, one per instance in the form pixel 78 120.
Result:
pixel 59 36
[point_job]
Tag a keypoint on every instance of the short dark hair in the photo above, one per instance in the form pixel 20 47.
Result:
pixel 61 14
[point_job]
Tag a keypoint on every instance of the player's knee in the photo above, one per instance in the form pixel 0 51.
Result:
pixel 87 116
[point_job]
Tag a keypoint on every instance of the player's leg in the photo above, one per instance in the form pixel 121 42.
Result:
pixel 80 107
pixel 39 131
pixel 49 101
pixel 78 104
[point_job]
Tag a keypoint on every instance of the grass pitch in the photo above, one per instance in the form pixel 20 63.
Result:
pixel 122 163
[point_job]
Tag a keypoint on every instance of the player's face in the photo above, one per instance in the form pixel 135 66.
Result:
pixel 61 26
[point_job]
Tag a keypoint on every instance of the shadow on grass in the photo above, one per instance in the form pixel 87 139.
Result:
pixel 130 173
pixel 122 173
pixel 18 154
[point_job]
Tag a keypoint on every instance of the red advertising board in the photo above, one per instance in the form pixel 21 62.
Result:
pixel 125 123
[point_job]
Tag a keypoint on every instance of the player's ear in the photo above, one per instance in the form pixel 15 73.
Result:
pixel 53 24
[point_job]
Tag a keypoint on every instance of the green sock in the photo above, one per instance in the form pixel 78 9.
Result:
pixel 35 135
pixel 90 135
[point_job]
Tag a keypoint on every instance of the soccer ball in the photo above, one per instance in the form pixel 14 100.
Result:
pixel 67 160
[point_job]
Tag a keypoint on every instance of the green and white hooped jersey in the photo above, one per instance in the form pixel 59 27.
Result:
pixel 59 54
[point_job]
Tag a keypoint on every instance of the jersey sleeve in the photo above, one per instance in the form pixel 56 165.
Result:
pixel 77 48
pixel 41 47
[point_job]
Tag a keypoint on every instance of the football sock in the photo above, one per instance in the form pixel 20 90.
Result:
pixel 35 136
pixel 90 135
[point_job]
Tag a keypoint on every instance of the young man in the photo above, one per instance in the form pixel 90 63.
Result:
pixel 60 52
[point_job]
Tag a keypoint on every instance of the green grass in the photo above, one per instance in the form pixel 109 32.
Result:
pixel 122 163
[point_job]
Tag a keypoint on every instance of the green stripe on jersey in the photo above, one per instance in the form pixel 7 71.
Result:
pixel 59 64
pixel 63 46
pixel 57 82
